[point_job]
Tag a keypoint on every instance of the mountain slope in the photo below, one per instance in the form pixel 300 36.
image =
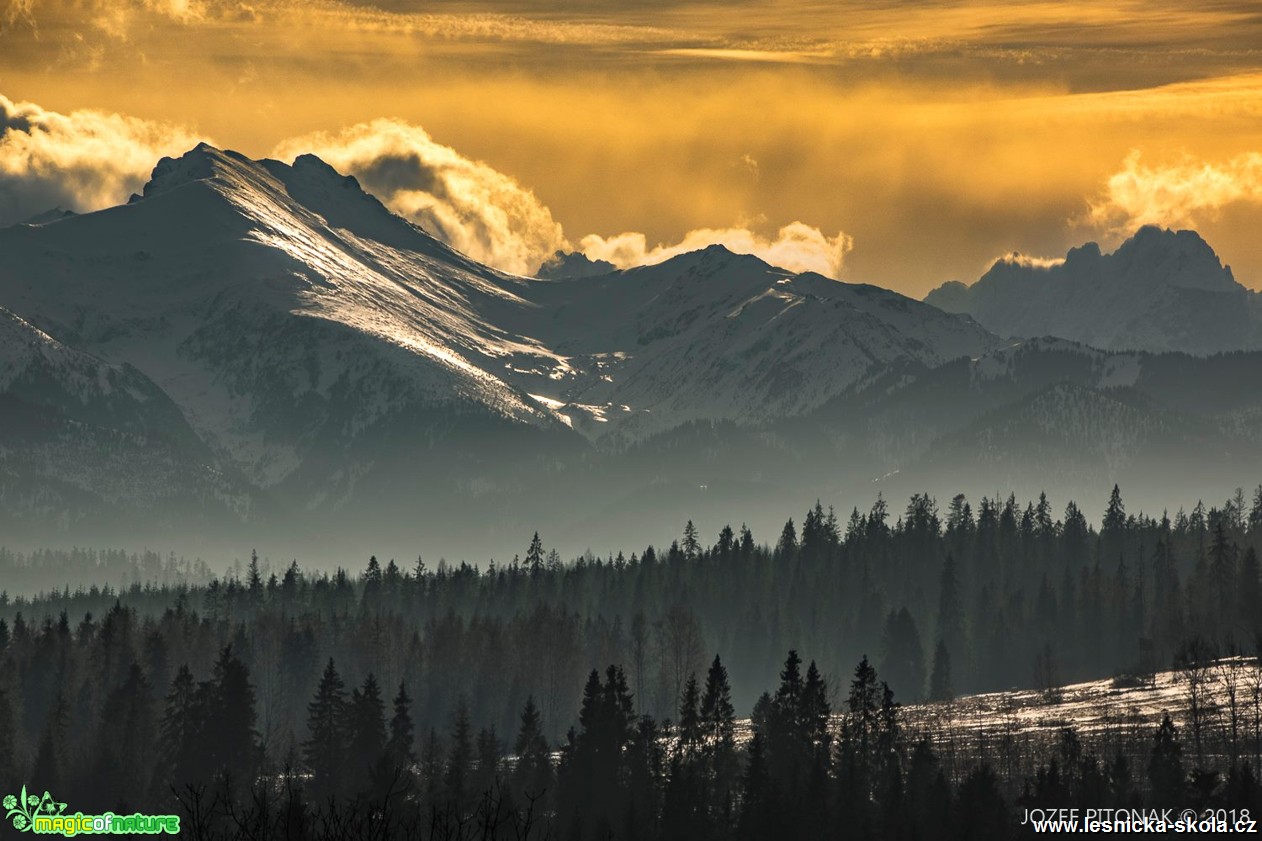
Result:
pixel 366 376
pixel 1052 415
pixel 89 444
pixel 1160 291
pixel 714 335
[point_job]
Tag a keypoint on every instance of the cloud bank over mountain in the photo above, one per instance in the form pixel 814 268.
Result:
pixel 797 247
pixel 88 160
pixel 468 204
pixel 81 161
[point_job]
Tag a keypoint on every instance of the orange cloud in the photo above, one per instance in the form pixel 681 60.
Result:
pixel 468 204
pixel 1175 195
pixel 797 247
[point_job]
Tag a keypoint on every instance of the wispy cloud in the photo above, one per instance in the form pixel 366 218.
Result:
pixel 797 247
pixel 1176 194
pixel 1028 261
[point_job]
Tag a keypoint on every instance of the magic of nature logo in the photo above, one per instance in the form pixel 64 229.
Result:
pixel 45 815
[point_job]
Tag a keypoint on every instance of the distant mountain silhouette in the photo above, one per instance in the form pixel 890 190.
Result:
pixel 1160 291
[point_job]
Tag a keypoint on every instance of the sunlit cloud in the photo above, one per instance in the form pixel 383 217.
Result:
pixel 115 18
pixel 1027 261
pixel 81 161
pixel 466 203
pixel 1175 195
pixel 797 247
pixel 494 219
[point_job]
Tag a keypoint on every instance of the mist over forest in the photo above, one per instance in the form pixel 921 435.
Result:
pixel 274 686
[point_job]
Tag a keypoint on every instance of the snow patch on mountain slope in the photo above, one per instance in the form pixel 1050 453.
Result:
pixel 26 351
pixel 272 300
pixel 198 283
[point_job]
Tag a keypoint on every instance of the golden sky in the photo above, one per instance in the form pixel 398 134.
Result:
pixel 901 142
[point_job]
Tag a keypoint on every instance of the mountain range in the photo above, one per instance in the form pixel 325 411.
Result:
pixel 253 351
pixel 1160 291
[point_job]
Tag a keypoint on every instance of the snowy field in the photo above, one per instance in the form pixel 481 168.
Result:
pixel 1012 728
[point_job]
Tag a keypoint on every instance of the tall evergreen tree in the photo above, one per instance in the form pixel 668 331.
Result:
pixel 52 758
pixel 692 542
pixel 123 760
pixel 903 661
pixel 487 767
pixel 690 727
pixel 1166 776
pixel 787 545
pixel 179 732
pixel 254 577
pixel 366 731
pixel 458 777
pixel 534 556
pixel 324 750
pixel 533 772
pixel 399 747
pixel 231 741
pixel 940 687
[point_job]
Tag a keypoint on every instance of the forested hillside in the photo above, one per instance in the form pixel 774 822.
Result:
pixel 641 660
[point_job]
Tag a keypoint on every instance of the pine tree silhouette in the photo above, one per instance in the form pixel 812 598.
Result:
pixel 324 750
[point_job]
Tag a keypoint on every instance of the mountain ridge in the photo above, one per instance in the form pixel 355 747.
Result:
pixel 355 369
pixel 1160 290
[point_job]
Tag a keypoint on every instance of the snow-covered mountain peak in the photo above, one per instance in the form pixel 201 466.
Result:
pixel 201 163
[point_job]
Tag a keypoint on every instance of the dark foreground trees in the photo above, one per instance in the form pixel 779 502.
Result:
pixel 803 771
pixel 414 693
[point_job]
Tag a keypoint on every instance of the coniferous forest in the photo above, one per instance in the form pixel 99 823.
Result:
pixel 719 686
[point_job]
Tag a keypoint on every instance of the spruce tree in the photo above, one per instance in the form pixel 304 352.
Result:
pixel 717 713
pixel 230 741
pixel 52 759
pixel 324 750
pixel 254 578
pixel 692 542
pixel 487 767
pixel 534 556
pixel 399 748
pixel 123 757
pixel 457 779
pixel 432 761
pixel 178 732
pixel 1166 777
pixel 690 732
pixel 787 545
pixel 532 774
pixel 366 732
pixel 718 723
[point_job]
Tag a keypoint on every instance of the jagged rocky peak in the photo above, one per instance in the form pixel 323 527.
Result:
pixel 1181 258
pixel 1161 290
pixel 564 264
